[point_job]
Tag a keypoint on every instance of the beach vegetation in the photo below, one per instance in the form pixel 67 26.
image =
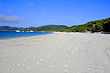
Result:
pixel 92 26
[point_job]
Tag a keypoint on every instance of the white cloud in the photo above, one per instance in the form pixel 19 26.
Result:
pixel 9 10
pixel 10 19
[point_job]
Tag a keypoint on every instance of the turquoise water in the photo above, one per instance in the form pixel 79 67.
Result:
pixel 13 34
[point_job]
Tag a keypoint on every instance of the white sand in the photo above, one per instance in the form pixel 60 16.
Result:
pixel 56 53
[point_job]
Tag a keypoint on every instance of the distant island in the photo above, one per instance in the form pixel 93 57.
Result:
pixel 92 26
pixel 8 28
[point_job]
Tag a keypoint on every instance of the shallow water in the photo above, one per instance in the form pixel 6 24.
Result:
pixel 13 34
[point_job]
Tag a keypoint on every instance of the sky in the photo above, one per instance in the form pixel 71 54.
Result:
pixel 27 13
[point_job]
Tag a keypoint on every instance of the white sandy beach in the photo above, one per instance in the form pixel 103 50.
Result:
pixel 56 53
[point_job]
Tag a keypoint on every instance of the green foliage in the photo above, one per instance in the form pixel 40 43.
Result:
pixel 106 25
pixel 92 26
pixel 99 26
pixel 48 28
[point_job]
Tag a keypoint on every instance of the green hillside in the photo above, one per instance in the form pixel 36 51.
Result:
pixel 92 26
pixel 8 28
pixel 48 28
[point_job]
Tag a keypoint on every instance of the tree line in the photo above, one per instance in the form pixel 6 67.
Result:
pixel 92 26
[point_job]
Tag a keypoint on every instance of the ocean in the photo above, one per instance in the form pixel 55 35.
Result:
pixel 14 34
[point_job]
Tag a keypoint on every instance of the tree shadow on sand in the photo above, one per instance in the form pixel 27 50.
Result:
pixel 105 32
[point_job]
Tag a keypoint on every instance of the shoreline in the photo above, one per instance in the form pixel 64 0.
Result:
pixel 104 33
pixel 101 33
pixel 24 36
pixel 59 32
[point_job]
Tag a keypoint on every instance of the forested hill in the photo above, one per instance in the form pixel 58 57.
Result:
pixel 51 28
pixel 92 26
pixel 41 28
pixel 8 28
pixel 47 28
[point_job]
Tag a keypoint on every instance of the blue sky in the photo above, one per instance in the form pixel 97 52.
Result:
pixel 26 13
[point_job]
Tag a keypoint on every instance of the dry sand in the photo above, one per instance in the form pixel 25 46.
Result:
pixel 56 53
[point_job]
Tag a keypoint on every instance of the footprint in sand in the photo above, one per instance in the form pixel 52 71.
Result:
pixel 29 67
pixel 11 69
pixel 51 62
pixel 51 65
pixel 65 70
pixel 66 65
pixel 38 63
pixel 41 59
pixel 72 52
pixel 108 51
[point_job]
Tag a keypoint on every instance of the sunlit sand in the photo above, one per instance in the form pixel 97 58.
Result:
pixel 56 53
